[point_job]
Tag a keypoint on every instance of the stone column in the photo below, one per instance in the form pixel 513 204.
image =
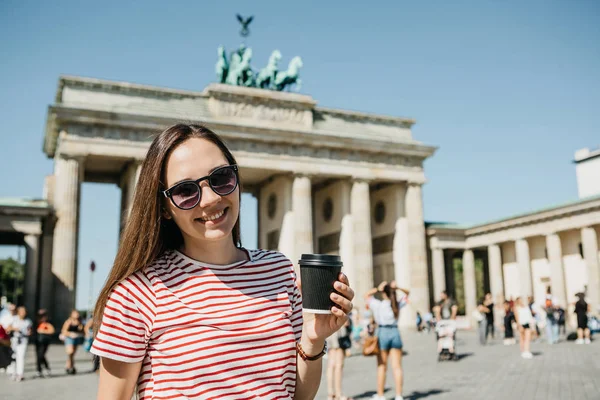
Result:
pixel 64 254
pixel 496 276
pixel 360 208
pixel 439 272
pixel 419 285
pixel 401 255
pixel 347 237
pixel 46 280
pixel 589 242
pixel 557 273
pixel 302 211
pixel 524 265
pixel 496 281
pixel 470 284
pixel 32 245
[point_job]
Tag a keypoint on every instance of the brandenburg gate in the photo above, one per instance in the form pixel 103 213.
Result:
pixel 327 180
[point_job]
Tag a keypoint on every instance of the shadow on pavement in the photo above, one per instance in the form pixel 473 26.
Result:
pixel 368 394
pixel 422 395
pixel 460 356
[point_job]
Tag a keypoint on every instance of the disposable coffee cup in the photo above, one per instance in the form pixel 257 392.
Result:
pixel 318 273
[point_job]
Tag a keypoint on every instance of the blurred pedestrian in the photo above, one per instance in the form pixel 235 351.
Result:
pixel 525 323
pixel 481 316
pixel 72 334
pixel 21 331
pixel 45 330
pixel 582 308
pixel 337 345
pixel 387 313
pixel 552 317
pixel 488 302
pixel 9 312
pixel 509 319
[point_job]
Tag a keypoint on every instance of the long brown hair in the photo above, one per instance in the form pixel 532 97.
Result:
pixel 147 233
pixel 391 294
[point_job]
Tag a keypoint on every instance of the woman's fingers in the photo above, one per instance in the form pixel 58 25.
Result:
pixel 343 287
pixel 339 312
pixel 344 303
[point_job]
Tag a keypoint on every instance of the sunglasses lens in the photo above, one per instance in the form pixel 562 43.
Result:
pixel 223 181
pixel 186 196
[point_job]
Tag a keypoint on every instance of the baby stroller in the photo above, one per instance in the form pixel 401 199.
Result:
pixel 446 340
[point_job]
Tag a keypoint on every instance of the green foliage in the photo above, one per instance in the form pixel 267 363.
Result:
pixel 459 285
pixel 12 276
pixel 479 277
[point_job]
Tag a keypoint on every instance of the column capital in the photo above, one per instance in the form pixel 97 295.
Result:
pixel 65 156
pixel 358 179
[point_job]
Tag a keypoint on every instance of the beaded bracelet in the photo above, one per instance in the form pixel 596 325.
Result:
pixel 306 357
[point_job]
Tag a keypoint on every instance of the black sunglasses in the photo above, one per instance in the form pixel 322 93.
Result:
pixel 186 195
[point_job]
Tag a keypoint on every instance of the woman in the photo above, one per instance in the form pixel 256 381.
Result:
pixel 482 311
pixel 386 313
pixel 21 331
pixel 186 311
pixel 509 317
pixel 337 345
pixel 525 323
pixel 582 308
pixel 72 334
pixel 45 330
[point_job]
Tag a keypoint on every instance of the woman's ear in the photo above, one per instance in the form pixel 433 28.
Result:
pixel 165 214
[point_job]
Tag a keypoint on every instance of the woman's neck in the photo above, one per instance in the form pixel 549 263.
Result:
pixel 222 252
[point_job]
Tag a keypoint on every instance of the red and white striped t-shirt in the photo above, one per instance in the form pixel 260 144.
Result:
pixel 207 331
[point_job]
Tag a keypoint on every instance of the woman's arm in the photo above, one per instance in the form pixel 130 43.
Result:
pixel 315 329
pixel 308 373
pixel 483 308
pixel 393 285
pixel 65 328
pixel 117 379
pixel 371 292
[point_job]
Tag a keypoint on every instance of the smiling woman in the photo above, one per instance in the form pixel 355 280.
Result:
pixel 186 311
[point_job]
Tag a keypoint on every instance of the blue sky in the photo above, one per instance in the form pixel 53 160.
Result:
pixel 507 89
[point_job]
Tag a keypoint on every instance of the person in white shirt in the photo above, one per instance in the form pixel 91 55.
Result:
pixel 525 323
pixel 21 331
pixel 387 313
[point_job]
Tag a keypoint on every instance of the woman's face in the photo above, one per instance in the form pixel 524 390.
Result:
pixel 191 160
pixel 22 312
pixel 75 315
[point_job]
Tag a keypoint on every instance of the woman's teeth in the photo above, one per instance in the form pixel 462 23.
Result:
pixel 213 217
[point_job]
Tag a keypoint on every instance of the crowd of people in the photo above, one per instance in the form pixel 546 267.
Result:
pixel 17 331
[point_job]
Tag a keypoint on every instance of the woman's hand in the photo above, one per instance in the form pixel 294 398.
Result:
pixel 318 327
pixel 381 286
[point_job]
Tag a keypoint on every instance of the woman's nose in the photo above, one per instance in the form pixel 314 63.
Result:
pixel 209 197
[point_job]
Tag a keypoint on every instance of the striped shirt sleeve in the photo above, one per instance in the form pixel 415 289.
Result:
pixel 127 321
pixel 296 317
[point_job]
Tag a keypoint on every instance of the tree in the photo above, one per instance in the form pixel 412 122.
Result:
pixel 12 274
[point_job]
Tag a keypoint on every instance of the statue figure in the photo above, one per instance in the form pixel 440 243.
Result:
pixel 266 77
pixel 240 71
pixel 245 22
pixel 222 67
pixel 289 77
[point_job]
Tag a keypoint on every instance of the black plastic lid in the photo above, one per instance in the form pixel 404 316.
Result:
pixel 320 260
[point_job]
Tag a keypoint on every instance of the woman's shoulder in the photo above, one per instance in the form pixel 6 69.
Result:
pixel 260 255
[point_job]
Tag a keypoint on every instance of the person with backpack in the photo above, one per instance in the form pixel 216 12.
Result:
pixel 45 331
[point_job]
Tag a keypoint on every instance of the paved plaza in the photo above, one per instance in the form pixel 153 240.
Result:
pixel 563 371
